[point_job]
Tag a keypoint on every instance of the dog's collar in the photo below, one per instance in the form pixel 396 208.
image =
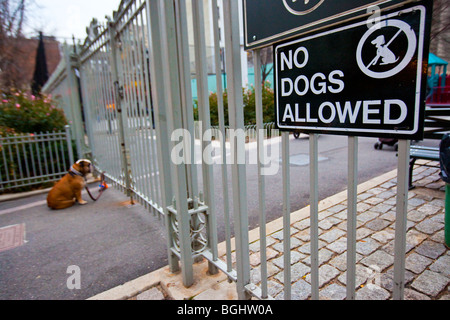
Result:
pixel 75 172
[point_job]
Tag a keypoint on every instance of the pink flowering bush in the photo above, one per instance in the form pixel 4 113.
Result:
pixel 26 113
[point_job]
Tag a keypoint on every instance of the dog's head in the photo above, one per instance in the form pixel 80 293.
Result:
pixel 83 166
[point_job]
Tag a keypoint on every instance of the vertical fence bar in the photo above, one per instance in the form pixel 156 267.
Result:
pixel 401 218
pixel 352 194
pixel 221 113
pixel 314 214
pixel 121 115
pixel 204 115
pixel 163 124
pixel 173 85
pixel 236 115
pixel 286 216
pixel 261 180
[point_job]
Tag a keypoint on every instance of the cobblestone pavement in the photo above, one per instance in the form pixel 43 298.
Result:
pixel 427 260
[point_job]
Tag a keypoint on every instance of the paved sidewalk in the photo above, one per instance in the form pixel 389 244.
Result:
pixel 427 261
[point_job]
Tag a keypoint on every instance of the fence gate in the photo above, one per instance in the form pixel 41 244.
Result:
pixel 136 73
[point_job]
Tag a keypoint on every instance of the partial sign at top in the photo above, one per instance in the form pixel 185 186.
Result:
pixel 269 21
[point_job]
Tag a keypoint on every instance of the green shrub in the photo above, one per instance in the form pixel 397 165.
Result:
pixel 26 115
pixel 249 106
pixel 29 114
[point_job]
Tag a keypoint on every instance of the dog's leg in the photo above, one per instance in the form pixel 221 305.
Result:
pixel 78 197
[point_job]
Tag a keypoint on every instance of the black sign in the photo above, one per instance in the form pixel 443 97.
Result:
pixel 269 21
pixel 362 79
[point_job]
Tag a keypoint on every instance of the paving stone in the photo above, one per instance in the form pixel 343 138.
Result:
pixel 324 256
pixel 332 235
pixel 379 260
pixel 300 290
pixel 338 246
pixel 306 248
pixel 326 274
pixel 333 292
pixel 414 237
pixel 362 233
pixel 255 258
pixel 303 235
pixel 377 224
pixel 384 236
pixel 328 223
pixel 374 201
pixel 429 226
pixel 442 266
pixel 274 288
pixel 415 202
pixel 295 242
pixel 367 216
pixel 340 261
pixel 431 249
pixel 429 209
pixel 410 294
pixel 367 246
pixel 416 215
pixel 303 224
pixel 362 274
pixel 337 208
pixel 387 194
pixel 376 191
pixel 295 257
pixel 389 216
pixel 430 283
pixel 152 294
pixel 372 292
pixel 254 247
pixel 417 262
pixel 382 208
pixel 298 270
pixel 386 280
pixel 363 207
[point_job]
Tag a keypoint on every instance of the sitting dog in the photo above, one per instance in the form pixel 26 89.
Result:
pixel 68 190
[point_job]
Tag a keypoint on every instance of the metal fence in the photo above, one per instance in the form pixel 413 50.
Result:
pixel 136 86
pixel 33 159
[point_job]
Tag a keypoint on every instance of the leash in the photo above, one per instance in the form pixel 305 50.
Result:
pixel 102 187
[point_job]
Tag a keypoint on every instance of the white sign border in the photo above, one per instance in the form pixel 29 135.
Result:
pixel 420 47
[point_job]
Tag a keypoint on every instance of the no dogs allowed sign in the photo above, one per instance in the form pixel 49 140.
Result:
pixel 367 78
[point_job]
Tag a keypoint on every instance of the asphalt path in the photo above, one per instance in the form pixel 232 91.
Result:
pixel 112 242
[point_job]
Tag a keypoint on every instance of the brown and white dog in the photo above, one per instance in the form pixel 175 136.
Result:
pixel 68 190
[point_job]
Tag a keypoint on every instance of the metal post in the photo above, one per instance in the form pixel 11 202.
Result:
pixel 401 219
pixel 124 154
pixel 75 102
pixel 221 114
pixel 314 214
pixel 352 194
pixel 286 216
pixel 205 118
pixel 162 123
pixel 236 115
pixel 69 145
pixel 261 180
pixel 172 83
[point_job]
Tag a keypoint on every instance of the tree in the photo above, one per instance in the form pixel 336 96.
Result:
pixel 12 19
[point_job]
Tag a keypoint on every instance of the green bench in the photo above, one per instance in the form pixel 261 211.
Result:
pixel 421 152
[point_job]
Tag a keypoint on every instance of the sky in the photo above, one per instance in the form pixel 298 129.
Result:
pixel 64 18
